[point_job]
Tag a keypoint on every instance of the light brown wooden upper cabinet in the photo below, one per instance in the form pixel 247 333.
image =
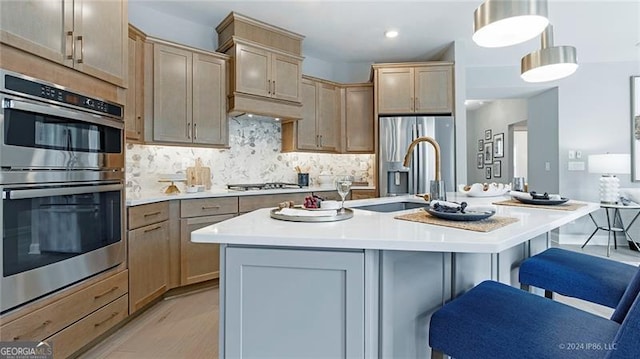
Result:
pixel 134 109
pixel 264 73
pixel 319 128
pixel 87 35
pixel 422 88
pixel 266 64
pixel 189 90
pixel 358 119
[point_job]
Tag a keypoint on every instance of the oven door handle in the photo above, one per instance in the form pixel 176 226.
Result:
pixel 60 191
pixel 58 111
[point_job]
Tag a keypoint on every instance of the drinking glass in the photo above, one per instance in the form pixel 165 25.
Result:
pixel 343 186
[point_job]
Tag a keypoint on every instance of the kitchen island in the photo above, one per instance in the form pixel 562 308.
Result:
pixel 363 287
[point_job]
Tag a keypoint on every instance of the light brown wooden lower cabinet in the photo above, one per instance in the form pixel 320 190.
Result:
pixel 44 322
pixel 74 337
pixel 73 320
pixel 199 261
pixel 148 263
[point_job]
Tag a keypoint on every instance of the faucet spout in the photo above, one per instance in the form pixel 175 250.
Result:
pixel 436 147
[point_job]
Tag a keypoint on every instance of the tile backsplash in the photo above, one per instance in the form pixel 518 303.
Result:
pixel 253 157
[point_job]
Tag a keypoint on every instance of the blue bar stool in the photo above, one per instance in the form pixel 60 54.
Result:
pixel 594 279
pixel 494 320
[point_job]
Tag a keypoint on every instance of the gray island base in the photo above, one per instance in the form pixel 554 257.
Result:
pixel 361 288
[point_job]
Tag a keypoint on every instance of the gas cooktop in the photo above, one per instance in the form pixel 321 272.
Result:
pixel 260 186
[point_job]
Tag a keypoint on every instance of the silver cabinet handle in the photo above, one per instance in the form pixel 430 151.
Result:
pixel 70 45
pixel 273 92
pixel 320 140
pixel 152 214
pixel 195 131
pixel 81 40
pixel 188 130
pixel 152 229
pixel 205 208
pixel 269 86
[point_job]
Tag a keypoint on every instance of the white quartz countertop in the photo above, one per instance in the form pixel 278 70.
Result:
pixel 135 199
pixel 373 230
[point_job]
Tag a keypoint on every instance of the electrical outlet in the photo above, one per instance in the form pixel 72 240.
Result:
pixel 578 154
pixel 547 166
pixel 572 154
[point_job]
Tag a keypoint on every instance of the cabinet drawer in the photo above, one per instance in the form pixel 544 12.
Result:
pixel 208 206
pixel 363 193
pixel 144 215
pixel 45 321
pixel 71 339
pixel 250 203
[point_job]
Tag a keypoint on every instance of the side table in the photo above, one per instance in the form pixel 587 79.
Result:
pixel 615 225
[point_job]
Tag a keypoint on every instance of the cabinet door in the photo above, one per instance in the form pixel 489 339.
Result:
pixel 287 303
pixel 395 90
pixel 252 70
pixel 37 27
pixel 100 31
pixel 198 261
pixel 134 108
pixel 306 128
pixel 209 100
pixel 148 262
pixel 359 119
pixel 328 117
pixel 286 73
pixel 172 94
pixel 434 89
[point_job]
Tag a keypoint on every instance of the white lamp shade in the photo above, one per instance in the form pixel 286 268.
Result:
pixel 610 163
pixel 499 23
pixel 549 64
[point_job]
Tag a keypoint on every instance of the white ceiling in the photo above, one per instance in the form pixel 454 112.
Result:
pixel 352 31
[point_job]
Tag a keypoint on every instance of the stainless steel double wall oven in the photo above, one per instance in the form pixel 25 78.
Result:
pixel 62 182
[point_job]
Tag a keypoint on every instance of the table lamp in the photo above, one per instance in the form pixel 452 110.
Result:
pixel 609 165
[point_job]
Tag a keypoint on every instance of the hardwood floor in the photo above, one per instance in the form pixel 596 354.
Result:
pixel 187 326
pixel 179 327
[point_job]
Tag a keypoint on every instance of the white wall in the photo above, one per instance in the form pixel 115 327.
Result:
pixel 172 28
pixel 495 116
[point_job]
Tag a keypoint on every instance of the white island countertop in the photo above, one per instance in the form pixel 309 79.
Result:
pixel 373 230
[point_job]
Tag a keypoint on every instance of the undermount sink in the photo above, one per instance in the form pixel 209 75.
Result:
pixel 392 207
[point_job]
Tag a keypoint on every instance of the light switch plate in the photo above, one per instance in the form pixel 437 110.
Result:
pixel 576 166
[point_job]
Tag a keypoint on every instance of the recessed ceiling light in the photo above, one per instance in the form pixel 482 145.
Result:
pixel 391 34
pixel 277 118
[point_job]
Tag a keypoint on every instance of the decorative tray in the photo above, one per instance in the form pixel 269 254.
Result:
pixel 348 213
pixel 548 202
pixel 459 216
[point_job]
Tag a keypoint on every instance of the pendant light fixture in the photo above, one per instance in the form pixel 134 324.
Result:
pixel 550 62
pixel 499 23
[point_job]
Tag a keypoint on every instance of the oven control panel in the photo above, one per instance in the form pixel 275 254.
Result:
pixel 57 94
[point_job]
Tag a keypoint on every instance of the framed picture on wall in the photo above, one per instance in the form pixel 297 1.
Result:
pixel 488 153
pixel 487 172
pixel 480 145
pixel 497 169
pixel 487 135
pixel 480 160
pixel 498 145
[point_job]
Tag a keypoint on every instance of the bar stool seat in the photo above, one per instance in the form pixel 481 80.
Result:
pixel 594 279
pixel 493 320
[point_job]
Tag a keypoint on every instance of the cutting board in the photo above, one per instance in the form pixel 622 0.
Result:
pixel 199 175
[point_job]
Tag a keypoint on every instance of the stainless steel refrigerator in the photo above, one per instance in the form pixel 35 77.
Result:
pixel 396 133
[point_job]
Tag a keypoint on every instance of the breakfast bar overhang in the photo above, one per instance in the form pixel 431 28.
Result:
pixel 363 287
